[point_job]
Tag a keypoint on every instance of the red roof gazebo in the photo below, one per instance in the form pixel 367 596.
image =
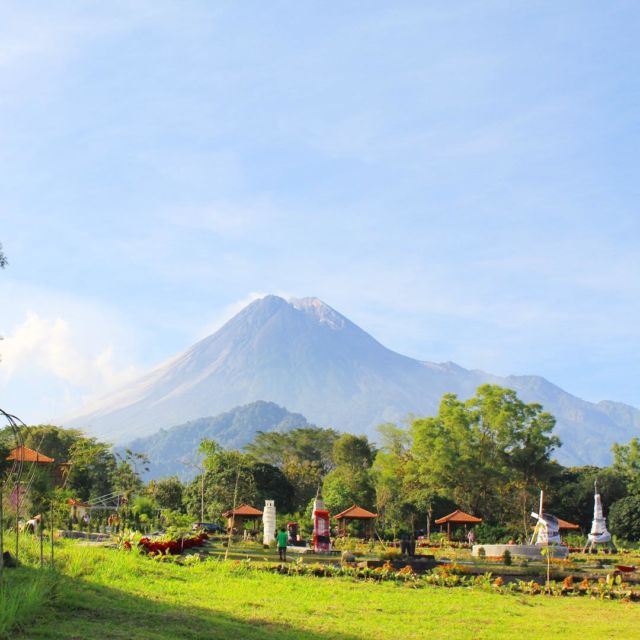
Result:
pixel 355 513
pixel 25 454
pixel 457 517
pixel 563 524
pixel 236 517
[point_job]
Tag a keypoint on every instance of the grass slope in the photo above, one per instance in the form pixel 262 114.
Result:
pixel 107 594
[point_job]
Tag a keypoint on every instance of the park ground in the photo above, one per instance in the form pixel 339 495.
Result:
pixel 105 593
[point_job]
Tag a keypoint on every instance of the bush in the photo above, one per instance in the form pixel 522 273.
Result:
pixel 506 558
pixel 495 534
pixel 624 518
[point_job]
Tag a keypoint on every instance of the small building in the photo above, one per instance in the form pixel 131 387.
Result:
pixel 359 514
pixel 457 517
pixel 78 509
pixel 237 518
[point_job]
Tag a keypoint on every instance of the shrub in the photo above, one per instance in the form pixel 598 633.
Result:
pixel 493 534
pixel 624 518
pixel 506 557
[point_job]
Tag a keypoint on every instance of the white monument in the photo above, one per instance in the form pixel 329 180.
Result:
pixel 599 533
pixel 269 522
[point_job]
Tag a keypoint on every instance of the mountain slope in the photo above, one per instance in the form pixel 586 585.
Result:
pixel 306 356
pixel 170 451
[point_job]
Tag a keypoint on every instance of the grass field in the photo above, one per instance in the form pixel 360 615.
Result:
pixel 105 593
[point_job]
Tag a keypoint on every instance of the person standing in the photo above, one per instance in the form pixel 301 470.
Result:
pixel 282 539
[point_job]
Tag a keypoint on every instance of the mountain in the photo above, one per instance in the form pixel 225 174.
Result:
pixel 171 450
pixel 304 355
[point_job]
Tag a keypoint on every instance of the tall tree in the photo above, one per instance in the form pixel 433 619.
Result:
pixel 167 493
pixel 626 462
pixel 482 451
pixel 304 455
pixel 351 481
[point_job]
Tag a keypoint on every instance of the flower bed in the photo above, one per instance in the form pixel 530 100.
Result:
pixel 171 547
pixel 609 587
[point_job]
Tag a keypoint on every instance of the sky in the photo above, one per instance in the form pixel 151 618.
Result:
pixel 459 179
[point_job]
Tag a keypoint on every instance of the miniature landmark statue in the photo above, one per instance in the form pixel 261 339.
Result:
pixel 269 522
pixel 547 529
pixel 599 533
pixel 321 531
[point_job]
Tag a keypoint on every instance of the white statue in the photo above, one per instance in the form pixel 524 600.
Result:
pixel 269 522
pixel 599 533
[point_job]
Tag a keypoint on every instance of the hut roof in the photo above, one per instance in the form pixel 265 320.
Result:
pixel 243 510
pixel 563 524
pixel 25 454
pixel 459 517
pixel 355 513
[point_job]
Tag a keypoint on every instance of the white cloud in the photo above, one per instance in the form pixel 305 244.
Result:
pixel 50 346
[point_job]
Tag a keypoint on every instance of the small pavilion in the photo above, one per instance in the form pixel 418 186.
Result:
pixel 25 454
pixel 567 526
pixel 356 513
pixel 456 518
pixel 238 517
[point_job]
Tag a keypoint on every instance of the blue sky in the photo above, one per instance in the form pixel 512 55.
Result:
pixel 459 179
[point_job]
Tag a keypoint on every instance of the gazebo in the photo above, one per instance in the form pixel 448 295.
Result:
pixel 457 517
pixel 563 524
pixel 25 454
pixel 237 517
pixel 355 513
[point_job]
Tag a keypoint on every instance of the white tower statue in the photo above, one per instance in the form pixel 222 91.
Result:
pixel 269 522
pixel 599 533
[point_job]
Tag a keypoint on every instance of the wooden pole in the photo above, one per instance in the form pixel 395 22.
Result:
pixel 233 512
pixel 51 528
pixel 1 530
pixel 202 496
pixel 17 489
pixel 41 527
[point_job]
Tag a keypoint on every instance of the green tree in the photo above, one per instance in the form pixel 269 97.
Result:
pixel 312 444
pixel 480 452
pixel 87 464
pixel 624 518
pixel 570 493
pixel 516 438
pixel 626 462
pixel 127 474
pixel 304 455
pixel 392 473
pixel 3 259
pixel 351 481
pixel 343 488
pixel 223 472
pixel 354 452
pixel 167 493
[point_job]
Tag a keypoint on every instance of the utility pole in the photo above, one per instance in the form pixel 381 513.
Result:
pixel 200 468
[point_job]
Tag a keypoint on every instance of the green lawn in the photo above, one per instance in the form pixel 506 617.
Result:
pixel 105 593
